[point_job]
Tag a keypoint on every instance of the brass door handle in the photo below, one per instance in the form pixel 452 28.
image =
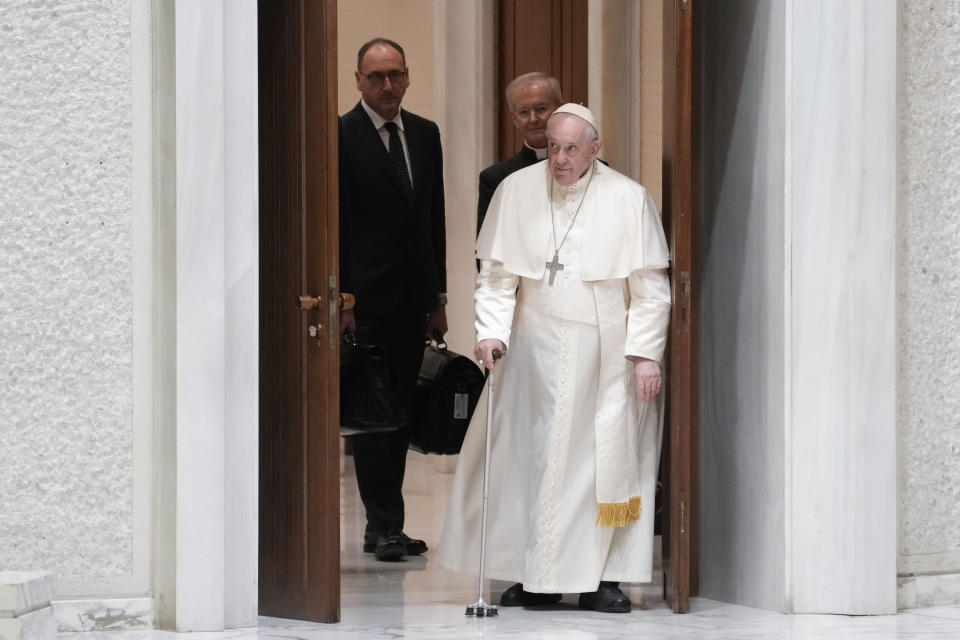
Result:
pixel 345 301
pixel 337 302
pixel 307 303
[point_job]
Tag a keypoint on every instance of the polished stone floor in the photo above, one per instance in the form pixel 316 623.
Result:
pixel 416 599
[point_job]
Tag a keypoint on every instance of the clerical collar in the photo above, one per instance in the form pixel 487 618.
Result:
pixel 379 120
pixel 540 153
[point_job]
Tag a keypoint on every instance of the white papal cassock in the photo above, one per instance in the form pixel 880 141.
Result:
pixel 569 441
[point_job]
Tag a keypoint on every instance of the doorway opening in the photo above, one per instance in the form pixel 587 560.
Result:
pixel 311 521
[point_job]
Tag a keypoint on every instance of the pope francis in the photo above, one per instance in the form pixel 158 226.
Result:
pixel 573 289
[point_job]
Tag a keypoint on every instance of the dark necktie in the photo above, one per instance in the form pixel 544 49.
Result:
pixel 397 159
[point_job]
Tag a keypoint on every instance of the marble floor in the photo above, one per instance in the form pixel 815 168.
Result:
pixel 417 599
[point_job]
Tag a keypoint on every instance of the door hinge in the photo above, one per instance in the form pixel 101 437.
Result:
pixel 683 302
pixel 683 516
pixel 684 5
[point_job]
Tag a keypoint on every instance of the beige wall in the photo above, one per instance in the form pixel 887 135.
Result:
pixel 465 113
pixel 409 23
pixel 627 98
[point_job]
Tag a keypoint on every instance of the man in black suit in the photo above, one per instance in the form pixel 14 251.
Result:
pixel 532 98
pixel 393 258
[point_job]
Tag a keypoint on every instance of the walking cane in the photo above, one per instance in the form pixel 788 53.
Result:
pixel 481 608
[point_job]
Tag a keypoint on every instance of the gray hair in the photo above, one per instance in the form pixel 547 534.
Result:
pixel 534 77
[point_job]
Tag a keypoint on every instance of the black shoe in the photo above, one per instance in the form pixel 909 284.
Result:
pixel 390 546
pixel 608 598
pixel 370 537
pixel 515 596
pixel 414 547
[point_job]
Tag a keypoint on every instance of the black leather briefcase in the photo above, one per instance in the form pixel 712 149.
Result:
pixel 368 402
pixel 448 389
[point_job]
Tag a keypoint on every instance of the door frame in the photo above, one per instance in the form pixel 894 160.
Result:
pixel 678 217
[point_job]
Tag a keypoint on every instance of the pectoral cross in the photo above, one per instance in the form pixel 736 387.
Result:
pixel 553 266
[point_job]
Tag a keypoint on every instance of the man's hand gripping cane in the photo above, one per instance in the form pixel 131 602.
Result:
pixel 489 351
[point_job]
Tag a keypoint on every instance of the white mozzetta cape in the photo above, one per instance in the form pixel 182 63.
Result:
pixel 624 235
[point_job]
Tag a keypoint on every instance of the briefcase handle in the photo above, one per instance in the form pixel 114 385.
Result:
pixel 441 343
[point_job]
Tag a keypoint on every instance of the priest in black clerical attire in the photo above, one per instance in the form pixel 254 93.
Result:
pixel 532 98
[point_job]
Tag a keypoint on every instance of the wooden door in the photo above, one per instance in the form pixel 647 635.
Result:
pixel 299 434
pixel 680 545
pixel 539 35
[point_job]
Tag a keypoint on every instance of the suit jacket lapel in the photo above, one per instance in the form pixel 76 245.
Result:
pixel 370 138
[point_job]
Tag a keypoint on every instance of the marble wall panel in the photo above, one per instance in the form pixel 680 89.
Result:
pixel 241 292
pixel 201 316
pixel 35 625
pixel 923 591
pixel 216 314
pixel 103 615
pixel 741 270
pixel 797 381
pixel 841 194
pixel 25 590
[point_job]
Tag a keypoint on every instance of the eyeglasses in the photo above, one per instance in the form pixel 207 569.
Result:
pixel 376 78
pixel 525 113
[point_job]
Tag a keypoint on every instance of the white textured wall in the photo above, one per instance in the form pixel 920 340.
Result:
pixel 66 460
pixel 929 287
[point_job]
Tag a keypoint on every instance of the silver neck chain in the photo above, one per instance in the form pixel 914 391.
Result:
pixel 553 222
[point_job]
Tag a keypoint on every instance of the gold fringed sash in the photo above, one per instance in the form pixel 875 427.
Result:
pixel 618 514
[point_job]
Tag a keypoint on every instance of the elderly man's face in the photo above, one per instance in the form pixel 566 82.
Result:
pixel 382 94
pixel 532 106
pixel 569 151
